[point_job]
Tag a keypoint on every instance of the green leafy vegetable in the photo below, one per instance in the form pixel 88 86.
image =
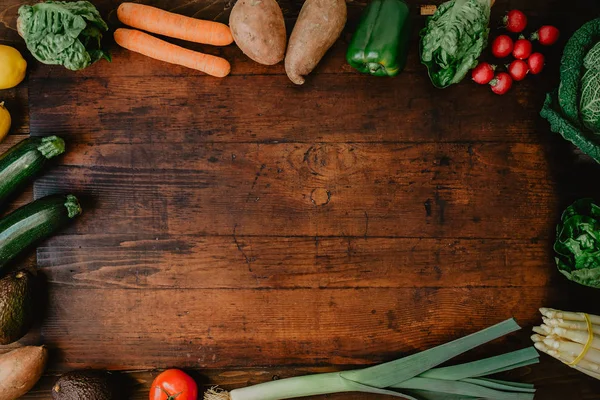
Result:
pixel 578 243
pixel 63 33
pixel 453 40
pixel 574 109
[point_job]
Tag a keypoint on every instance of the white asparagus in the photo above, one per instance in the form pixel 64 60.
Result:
pixel 576 336
pixel 568 358
pixel 566 315
pixel 575 349
pixel 583 366
pixel 573 325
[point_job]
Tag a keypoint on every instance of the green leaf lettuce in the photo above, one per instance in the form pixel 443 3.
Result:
pixel 578 243
pixel 63 33
pixel 453 39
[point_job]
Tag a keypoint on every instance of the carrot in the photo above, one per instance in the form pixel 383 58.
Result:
pixel 158 49
pixel 177 26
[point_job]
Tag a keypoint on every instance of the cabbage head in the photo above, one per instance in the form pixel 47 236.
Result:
pixel 574 109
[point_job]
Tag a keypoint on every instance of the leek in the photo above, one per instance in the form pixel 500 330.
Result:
pixel 414 377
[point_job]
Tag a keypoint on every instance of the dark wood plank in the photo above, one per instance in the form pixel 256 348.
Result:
pixel 412 190
pixel 203 328
pixel 134 261
pixel 130 110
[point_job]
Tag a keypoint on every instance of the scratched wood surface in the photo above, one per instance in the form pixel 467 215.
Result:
pixel 247 230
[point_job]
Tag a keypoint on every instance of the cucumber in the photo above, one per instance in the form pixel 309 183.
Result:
pixel 34 222
pixel 25 160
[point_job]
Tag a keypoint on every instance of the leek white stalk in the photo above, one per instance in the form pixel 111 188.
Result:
pixel 412 375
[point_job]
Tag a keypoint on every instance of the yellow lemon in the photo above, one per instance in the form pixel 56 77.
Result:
pixel 4 121
pixel 12 67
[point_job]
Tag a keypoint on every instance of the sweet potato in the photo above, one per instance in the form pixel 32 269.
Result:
pixel 319 25
pixel 258 29
pixel 20 369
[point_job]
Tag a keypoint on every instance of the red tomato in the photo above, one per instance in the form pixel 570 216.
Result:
pixel 522 49
pixel 518 70
pixel 501 83
pixel 515 21
pixel 174 384
pixel 547 35
pixel 502 46
pixel 536 63
pixel 483 73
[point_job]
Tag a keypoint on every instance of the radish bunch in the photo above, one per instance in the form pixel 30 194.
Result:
pixel 525 59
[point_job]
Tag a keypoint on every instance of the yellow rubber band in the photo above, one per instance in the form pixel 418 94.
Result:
pixel 588 344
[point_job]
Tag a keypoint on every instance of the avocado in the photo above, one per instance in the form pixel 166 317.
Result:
pixel 84 385
pixel 16 306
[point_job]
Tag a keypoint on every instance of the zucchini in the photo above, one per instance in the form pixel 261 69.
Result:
pixel 34 222
pixel 25 160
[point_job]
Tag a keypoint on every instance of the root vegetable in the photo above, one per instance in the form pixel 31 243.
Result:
pixel 20 369
pixel 258 29
pixel 319 25
pixel 158 49
pixel 155 20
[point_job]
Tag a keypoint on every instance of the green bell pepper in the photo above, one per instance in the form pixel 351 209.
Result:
pixel 380 44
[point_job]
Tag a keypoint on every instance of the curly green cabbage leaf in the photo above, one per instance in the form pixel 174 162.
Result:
pixel 453 39
pixel 578 243
pixel 63 33
pixel 574 109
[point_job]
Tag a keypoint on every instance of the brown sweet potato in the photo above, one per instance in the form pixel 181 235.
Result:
pixel 319 25
pixel 258 29
pixel 20 369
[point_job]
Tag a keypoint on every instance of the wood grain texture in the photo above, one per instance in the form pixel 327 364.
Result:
pixel 248 229
pixel 200 262
pixel 203 328
pixel 332 108
pixel 420 190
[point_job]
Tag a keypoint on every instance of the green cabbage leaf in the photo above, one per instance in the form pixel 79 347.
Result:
pixel 578 243
pixel 573 110
pixel 63 33
pixel 453 39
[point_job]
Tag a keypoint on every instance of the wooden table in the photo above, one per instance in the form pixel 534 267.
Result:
pixel 248 229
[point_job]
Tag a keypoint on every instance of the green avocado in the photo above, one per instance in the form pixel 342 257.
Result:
pixel 84 385
pixel 16 306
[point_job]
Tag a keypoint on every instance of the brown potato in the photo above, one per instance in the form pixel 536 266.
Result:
pixel 20 370
pixel 258 29
pixel 319 25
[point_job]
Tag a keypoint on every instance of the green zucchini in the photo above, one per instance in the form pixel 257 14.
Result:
pixel 25 160
pixel 34 222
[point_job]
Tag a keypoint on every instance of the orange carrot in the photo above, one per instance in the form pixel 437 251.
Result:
pixel 177 26
pixel 158 49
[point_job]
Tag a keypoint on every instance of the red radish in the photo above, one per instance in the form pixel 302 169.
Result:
pixel 502 46
pixel 536 63
pixel 483 73
pixel 518 69
pixel 515 21
pixel 501 83
pixel 522 48
pixel 546 35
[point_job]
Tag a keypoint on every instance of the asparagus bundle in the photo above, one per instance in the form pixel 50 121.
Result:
pixel 414 377
pixel 569 337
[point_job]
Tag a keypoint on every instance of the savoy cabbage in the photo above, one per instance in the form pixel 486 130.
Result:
pixel 574 109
